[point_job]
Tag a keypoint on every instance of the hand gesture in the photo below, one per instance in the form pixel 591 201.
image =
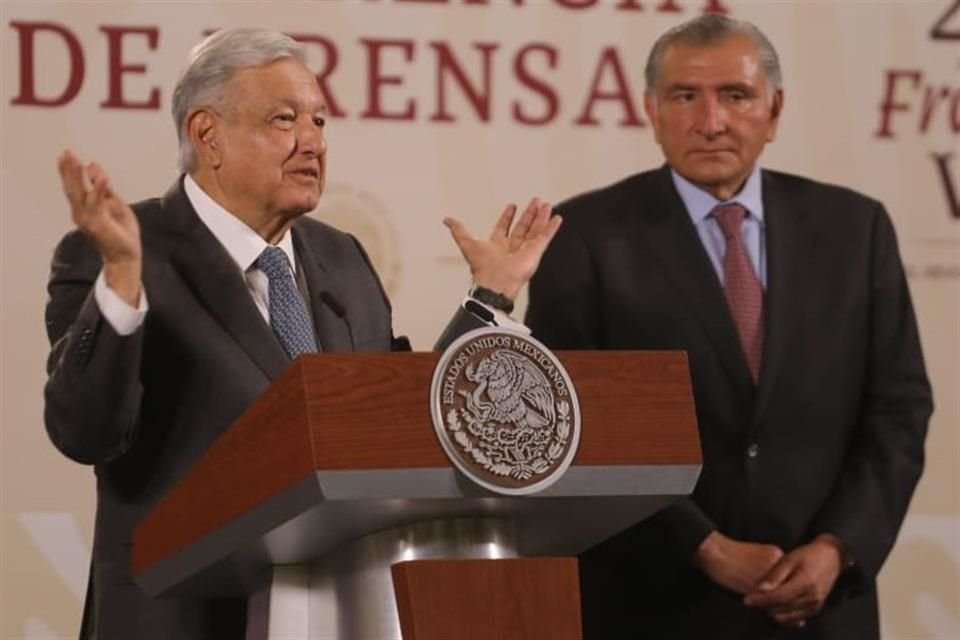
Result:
pixel 111 224
pixel 509 258
pixel 796 587
pixel 735 565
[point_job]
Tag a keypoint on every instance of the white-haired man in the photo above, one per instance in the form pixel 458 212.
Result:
pixel 168 318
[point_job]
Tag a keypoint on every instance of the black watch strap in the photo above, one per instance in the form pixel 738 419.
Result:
pixel 492 298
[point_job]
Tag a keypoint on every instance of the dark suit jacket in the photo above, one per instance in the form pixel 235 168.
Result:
pixel 144 408
pixel 831 440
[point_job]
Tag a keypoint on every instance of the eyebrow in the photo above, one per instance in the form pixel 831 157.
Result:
pixel 732 86
pixel 738 86
pixel 293 104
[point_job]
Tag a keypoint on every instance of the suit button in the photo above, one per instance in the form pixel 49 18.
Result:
pixel 753 450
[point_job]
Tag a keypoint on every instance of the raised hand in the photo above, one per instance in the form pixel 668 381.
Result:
pixel 107 220
pixel 509 258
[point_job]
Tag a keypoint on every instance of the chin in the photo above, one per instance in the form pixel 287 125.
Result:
pixel 303 203
pixel 711 175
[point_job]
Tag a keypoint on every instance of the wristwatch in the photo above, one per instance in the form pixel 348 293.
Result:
pixel 492 298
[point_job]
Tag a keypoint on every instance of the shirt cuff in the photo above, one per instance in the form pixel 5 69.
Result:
pixel 496 317
pixel 122 317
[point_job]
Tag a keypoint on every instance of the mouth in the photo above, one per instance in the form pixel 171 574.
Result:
pixel 309 173
pixel 712 151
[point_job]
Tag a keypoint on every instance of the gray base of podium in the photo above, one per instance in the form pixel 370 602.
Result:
pixel 349 594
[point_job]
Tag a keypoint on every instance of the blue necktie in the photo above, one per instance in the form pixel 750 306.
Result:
pixel 288 313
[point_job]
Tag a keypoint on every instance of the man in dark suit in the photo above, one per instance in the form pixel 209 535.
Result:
pixel 169 318
pixel 812 398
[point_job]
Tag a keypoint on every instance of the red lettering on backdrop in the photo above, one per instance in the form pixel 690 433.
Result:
pixel 116 68
pixel 952 193
pixel 716 6
pixel 376 80
pixel 479 98
pixel 331 58
pixel 955 112
pixel 621 93
pixel 710 6
pixel 889 104
pixel 28 93
pixel 538 86
pixel 666 6
pixel 576 4
pixel 932 97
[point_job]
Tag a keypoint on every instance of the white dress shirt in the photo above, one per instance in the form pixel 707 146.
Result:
pixel 242 243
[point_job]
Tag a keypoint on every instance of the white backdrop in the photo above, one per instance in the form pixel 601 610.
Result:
pixel 552 106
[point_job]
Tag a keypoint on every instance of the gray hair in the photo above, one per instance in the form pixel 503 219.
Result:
pixel 210 66
pixel 709 29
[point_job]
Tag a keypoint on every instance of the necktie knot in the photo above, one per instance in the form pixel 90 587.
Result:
pixel 273 262
pixel 730 218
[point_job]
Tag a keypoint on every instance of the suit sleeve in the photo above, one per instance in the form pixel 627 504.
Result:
pixel 871 497
pixel 93 391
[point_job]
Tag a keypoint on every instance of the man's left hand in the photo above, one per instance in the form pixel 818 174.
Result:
pixel 509 258
pixel 795 589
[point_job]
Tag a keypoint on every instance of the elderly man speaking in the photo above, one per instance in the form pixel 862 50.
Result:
pixel 168 318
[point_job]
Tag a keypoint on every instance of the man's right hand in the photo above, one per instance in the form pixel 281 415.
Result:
pixel 108 221
pixel 734 565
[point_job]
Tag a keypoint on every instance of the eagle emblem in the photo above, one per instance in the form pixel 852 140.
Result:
pixel 505 411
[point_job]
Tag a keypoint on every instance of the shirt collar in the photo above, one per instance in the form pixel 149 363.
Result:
pixel 700 203
pixel 242 243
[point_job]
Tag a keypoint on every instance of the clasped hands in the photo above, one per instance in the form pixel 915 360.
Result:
pixel 791 587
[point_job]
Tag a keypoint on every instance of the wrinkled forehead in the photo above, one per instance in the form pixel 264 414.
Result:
pixel 286 81
pixel 735 58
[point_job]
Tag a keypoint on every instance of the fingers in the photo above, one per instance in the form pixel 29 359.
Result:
pixel 542 219
pixel 459 232
pixel 522 228
pixel 778 573
pixel 72 179
pixel 797 618
pixel 551 225
pixel 99 182
pixel 502 228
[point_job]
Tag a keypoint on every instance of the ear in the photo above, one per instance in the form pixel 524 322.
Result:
pixel 776 108
pixel 203 129
pixel 650 107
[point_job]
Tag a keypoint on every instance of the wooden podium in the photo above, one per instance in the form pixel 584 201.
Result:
pixel 332 506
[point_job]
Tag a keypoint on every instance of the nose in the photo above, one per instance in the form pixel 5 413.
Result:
pixel 310 138
pixel 711 118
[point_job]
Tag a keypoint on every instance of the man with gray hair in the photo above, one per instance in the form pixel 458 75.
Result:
pixel 811 393
pixel 168 318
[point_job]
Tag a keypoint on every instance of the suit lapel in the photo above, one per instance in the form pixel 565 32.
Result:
pixel 333 331
pixel 673 239
pixel 217 283
pixel 790 249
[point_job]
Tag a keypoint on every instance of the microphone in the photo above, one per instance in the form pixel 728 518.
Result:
pixel 400 343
